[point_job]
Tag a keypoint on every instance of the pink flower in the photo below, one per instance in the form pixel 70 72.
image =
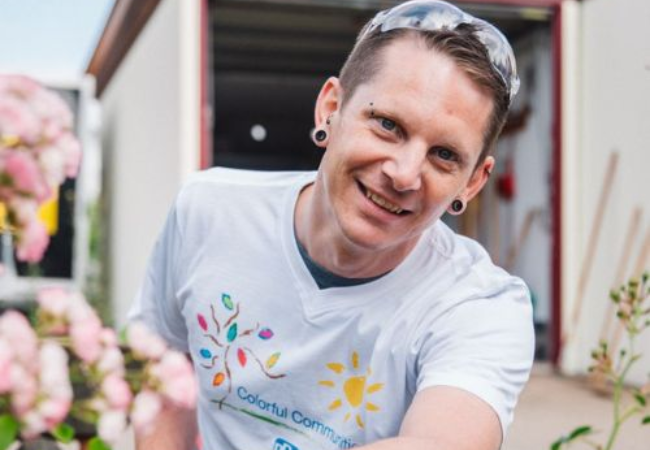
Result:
pixel 52 162
pixel 117 392
pixel 18 333
pixel 54 411
pixel 177 379
pixel 37 152
pixel 32 242
pixel 111 361
pixel 85 329
pixel 50 107
pixel 98 404
pixel 33 425
pixel 108 337
pixel 24 390
pixel 71 150
pixel 111 426
pixel 85 338
pixel 79 309
pixel 143 342
pixel 54 300
pixel 26 175
pixel 54 376
pixel 18 119
pixel 6 360
pixel 146 407
pixel 25 209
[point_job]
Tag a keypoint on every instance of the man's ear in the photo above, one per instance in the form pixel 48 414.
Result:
pixel 328 101
pixel 480 176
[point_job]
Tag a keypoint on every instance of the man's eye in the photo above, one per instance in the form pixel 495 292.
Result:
pixel 388 124
pixel 446 154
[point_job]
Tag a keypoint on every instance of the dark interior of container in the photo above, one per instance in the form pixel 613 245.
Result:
pixel 268 60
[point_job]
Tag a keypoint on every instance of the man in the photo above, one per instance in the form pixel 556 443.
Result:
pixel 333 310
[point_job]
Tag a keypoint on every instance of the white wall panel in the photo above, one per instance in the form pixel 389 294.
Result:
pixel 614 116
pixel 151 139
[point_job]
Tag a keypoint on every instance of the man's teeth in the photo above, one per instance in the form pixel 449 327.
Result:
pixel 384 203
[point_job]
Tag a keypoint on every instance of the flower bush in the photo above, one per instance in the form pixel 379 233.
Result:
pixel 37 152
pixel 68 372
pixel 67 375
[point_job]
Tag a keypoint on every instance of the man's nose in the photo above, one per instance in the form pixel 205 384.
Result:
pixel 404 169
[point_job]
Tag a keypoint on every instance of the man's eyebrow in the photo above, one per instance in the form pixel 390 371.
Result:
pixel 374 111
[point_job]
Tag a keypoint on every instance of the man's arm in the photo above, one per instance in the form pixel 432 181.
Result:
pixel 445 418
pixel 175 429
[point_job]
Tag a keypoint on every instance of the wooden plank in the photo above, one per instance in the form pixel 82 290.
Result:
pixel 592 244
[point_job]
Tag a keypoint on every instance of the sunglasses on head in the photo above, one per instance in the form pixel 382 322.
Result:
pixel 435 15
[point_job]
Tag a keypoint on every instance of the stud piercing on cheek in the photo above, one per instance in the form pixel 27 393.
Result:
pixel 320 135
pixel 457 206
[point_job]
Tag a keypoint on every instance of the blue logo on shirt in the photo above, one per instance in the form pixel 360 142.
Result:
pixel 281 444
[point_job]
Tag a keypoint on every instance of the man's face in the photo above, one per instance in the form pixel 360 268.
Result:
pixel 403 148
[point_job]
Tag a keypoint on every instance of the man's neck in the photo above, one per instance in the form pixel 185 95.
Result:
pixel 316 228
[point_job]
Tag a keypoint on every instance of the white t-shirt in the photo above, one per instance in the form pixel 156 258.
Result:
pixel 283 365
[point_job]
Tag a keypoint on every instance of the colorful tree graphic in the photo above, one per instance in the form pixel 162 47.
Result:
pixel 226 339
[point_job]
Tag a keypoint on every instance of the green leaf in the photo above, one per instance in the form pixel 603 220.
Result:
pixel 122 336
pixel 645 420
pixel 557 445
pixel 640 399
pixel 63 432
pixel 232 332
pixel 8 430
pixel 97 444
pixel 227 301
pixel 580 431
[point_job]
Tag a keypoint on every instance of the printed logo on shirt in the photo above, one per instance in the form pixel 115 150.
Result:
pixel 353 387
pixel 227 344
pixel 281 444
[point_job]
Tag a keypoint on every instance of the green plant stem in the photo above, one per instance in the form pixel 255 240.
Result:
pixel 592 444
pixel 629 413
pixel 618 391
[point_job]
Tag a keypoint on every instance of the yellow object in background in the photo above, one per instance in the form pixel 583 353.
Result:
pixel 48 213
pixel 3 216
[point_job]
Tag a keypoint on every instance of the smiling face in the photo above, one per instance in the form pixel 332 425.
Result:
pixel 403 147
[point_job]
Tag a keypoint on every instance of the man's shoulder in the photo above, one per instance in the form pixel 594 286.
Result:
pixel 226 185
pixel 210 196
pixel 229 178
pixel 470 267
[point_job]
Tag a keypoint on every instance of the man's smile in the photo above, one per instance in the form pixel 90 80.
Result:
pixel 382 202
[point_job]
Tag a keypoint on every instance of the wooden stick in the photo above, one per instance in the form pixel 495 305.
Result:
pixel 626 255
pixel 641 261
pixel 515 249
pixel 592 244
pixel 596 380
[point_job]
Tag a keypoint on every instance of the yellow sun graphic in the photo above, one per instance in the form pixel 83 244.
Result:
pixel 355 389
